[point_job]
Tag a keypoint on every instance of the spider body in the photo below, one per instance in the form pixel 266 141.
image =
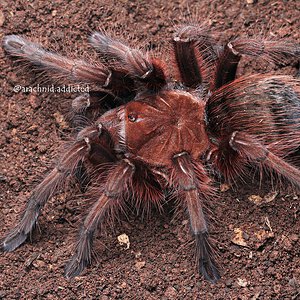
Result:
pixel 151 136
pixel 170 122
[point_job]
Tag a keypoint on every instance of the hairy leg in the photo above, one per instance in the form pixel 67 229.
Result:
pixel 44 191
pixel 194 55
pixel 185 179
pixel 250 148
pixel 147 71
pixel 277 52
pixel 108 201
pixel 67 70
pixel 67 167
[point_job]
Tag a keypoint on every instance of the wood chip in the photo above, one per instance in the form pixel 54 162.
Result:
pixel 60 120
pixel 262 236
pixel 123 240
pixel 224 187
pixel 270 196
pixel 258 200
pixel 239 237
pixel 2 18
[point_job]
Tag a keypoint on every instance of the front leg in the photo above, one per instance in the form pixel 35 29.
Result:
pixel 42 193
pixel 147 71
pixel 192 182
pixel 65 70
pixel 67 168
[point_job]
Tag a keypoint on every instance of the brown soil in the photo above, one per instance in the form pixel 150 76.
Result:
pixel 159 263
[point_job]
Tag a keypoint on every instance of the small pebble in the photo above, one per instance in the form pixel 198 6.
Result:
pixel 277 288
pixel 242 282
pixel 38 263
pixel 170 293
pixel 294 283
pixel 140 264
pixel 228 283
pixel 294 237
pixel 34 101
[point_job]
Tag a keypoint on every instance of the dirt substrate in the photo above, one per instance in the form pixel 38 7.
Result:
pixel 258 244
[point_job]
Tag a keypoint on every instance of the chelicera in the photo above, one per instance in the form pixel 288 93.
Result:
pixel 152 135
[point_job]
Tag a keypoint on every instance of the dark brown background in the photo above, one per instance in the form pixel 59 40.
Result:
pixel 159 263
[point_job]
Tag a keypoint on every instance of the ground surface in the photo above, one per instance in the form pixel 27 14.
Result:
pixel 262 264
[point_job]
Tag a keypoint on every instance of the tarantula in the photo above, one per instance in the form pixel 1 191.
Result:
pixel 153 135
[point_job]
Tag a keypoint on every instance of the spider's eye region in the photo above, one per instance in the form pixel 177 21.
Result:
pixel 132 117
